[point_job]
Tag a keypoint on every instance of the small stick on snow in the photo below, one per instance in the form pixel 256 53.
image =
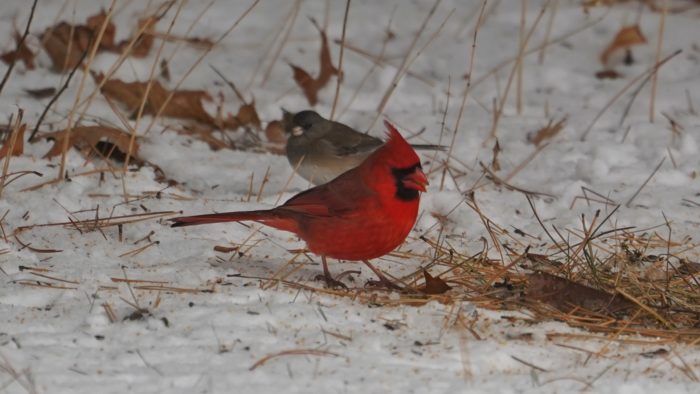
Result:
pixel 652 69
pixel 627 204
pixel 659 41
pixel 339 79
pixel 20 44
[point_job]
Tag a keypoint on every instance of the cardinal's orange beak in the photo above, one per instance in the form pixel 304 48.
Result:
pixel 416 180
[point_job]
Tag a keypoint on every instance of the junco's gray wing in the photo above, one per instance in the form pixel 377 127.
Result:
pixel 326 157
pixel 344 141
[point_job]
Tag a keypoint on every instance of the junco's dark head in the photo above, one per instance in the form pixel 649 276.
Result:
pixel 303 123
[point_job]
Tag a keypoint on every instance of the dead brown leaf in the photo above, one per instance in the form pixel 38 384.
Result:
pixel 309 85
pixel 495 164
pixel 608 74
pixel 274 131
pixel 625 38
pixel 95 22
pixel 547 132
pixel 41 93
pixel 20 54
pixel 225 249
pixel 184 104
pixel 56 42
pixel 689 267
pixel 66 43
pixel 248 115
pixel 92 139
pixel 18 148
pixel 144 42
pixel 433 284
pixel 564 294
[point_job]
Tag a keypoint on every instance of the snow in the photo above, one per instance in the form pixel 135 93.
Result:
pixel 62 341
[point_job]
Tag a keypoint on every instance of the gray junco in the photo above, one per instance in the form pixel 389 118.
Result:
pixel 320 149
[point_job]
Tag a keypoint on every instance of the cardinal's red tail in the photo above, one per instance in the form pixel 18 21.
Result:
pixel 270 217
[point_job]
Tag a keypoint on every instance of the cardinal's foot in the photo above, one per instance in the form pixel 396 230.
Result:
pixel 383 283
pixel 331 282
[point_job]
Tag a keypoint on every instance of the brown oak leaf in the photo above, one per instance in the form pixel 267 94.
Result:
pixel 308 84
pixel 433 284
pixel 21 54
pixel 184 104
pixel 625 38
pixel 93 139
pixel 18 148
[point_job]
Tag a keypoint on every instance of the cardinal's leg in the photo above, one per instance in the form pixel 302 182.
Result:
pixel 383 280
pixel 330 281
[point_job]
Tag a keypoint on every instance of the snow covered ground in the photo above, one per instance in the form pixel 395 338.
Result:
pixel 61 340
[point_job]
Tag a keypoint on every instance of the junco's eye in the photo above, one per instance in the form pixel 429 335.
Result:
pixel 297 131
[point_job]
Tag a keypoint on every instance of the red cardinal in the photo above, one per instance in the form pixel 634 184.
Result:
pixel 362 214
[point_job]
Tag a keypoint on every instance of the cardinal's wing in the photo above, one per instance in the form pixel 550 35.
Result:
pixel 343 196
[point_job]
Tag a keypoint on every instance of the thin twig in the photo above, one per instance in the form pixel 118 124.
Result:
pixel 550 24
pixel 627 204
pixel 144 100
pixel 11 141
pixel 531 365
pixel 339 80
pixel 652 69
pixel 470 69
pixel 519 58
pixel 519 79
pixel 196 63
pixel 293 352
pixel 399 70
pixel 285 38
pixel 659 42
pixel 71 114
pixel 230 84
pixel 56 96
pixel 20 44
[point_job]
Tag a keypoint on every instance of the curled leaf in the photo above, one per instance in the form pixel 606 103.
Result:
pixel 433 284
pixel 248 115
pixel 310 85
pixel 547 132
pixel 564 294
pixel 21 54
pixel 625 38
pixel 274 131
pixel 608 74
pixel 41 93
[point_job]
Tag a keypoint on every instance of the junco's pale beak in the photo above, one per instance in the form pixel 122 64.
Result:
pixel 297 131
